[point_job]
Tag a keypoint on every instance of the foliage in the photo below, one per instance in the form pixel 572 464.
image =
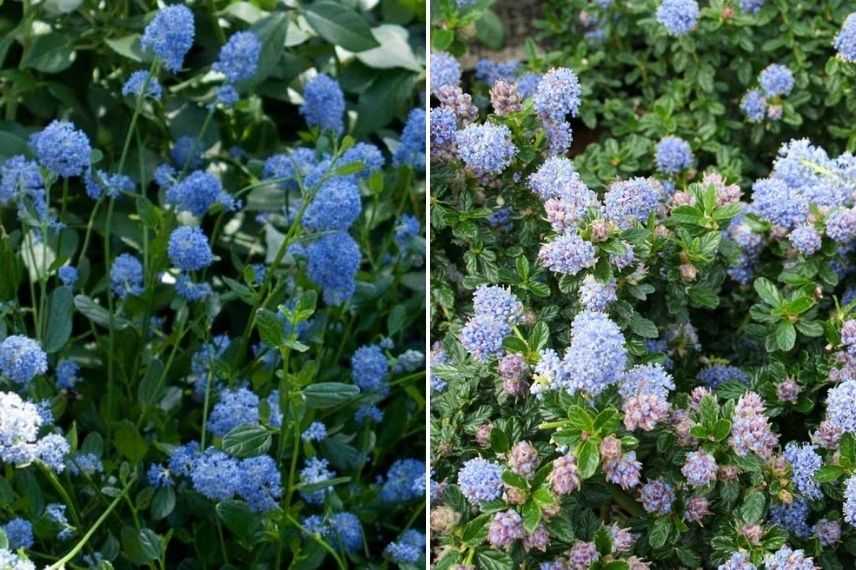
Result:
pixel 652 344
pixel 184 293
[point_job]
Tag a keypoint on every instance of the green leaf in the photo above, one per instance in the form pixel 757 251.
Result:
pixel 829 473
pixel 659 533
pixel 96 313
pixel 60 309
pixel 441 39
pixel 329 394
pixel 490 31
pixel 394 49
pixel 129 442
pixel 786 335
pixel 271 32
pixel 588 458
pixel 128 46
pixel 753 507
pixel 499 441
pixel 270 328
pixel 149 389
pixel 247 440
pixel 768 291
pixel 494 560
pixel 340 25
pixel 643 327
pixel 513 479
pixel 238 518
pixel 531 516
pixel 163 503
pixel 50 53
pixel 396 320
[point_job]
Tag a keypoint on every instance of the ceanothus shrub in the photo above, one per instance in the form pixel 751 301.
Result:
pixel 211 332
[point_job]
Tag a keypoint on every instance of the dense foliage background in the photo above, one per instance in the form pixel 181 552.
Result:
pixel 233 241
pixel 642 289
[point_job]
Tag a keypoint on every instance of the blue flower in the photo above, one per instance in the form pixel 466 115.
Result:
pixel 186 153
pixel 370 368
pixel 170 35
pixel 596 295
pixel 334 259
pixel 497 302
pixel 786 558
pixel 403 481
pixel 324 104
pixel 198 193
pixel 559 136
pixel 845 41
pixel 227 95
pixel 480 480
pixel 596 357
pixel 335 206
pixel 126 276
pixel 445 70
pixel 290 166
pixel 486 149
pixel 411 148
pixel 215 475
pixel 368 412
pixel 527 84
pixel 99 183
pixel 630 201
pixel 182 458
pixel 752 6
pixel 19 533
pixel 316 431
pixel 739 560
pixel 674 155
pixel 190 291
pixel 776 80
pixel 444 125
pixel 19 176
pixel 366 154
pixel 62 149
pixel 84 463
pixel 840 410
pixel 139 80
pixel 490 72
pixel 348 531
pixel 409 549
pixel 235 408
pixel 260 483
pixel 714 376
pixel 316 470
pixel 678 16
pixel 792 517
pixel 483 335
pixel 189 249
pixel 567 254
pixel 805 239
pixel 754 106
pixel 805 463
pixel 239 58
pixel 558 94
pixel 67 374
pixel 68 275
pixel 406 229
pixel 22 359
pixel 159 476
pixel 51 450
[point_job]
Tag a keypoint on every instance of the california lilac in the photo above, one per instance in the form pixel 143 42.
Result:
pixel 411 148
pixel 215 475
pixel 505 528
pixel 805 463
pixel 630 201
pixel 189 249
pixel 486 149
pixel 19 533
pixel 239 57
pixel 751 6
pixel 333 261
pixel 324 104
pixel 751 432
pixel 260 483
pixel 22 359
pixel 805 239
pixel 839 406
pixel 348 531
pixel 564 478
pixel 483 335
pixel 674 155
pixel 596 357
pixel 657 497
pixel 67 374
pixel 445 70
pixel 316 431
pixel 369 368
pixel 170 35
pixel 141 83
pixel 558 94
pixel 754 106
pixel 235 408
pixel 845 41
pixel 480 480
pixel 408 549
pixel 699 469
pixel 718 374
pixel 738 561
pixel 403 481
pixel 567 254
pixel 776 80
pixel 62 148
pixel 679 17
pixel 786 558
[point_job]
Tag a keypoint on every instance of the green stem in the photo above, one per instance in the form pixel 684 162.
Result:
pixel 82 542
pixel 324 544
pixel 205 411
